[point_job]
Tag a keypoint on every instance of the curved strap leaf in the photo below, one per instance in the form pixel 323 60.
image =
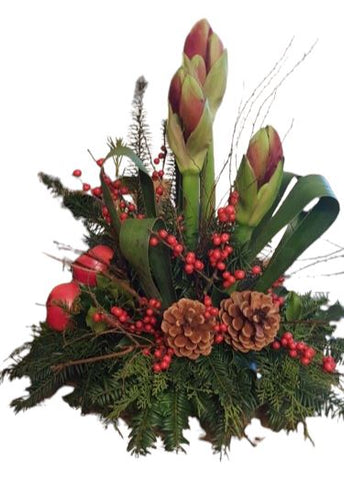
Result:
pixel 287 178
pixel 303 227
pixel 145 180
pixel 152 264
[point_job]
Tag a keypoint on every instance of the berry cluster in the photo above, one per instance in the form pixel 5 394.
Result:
pixel 161 354
pixel 295 349
pixel 227 214
pixel 304 352
pixel 157 175
pixel 328 364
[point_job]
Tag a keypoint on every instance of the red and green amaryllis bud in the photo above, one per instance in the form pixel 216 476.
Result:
pixel 189 125
pixel 206 59
pixel 258 180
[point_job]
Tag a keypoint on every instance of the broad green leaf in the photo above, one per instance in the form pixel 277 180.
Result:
pixel 287 177
pixel 152 264
pixel 303 227
pixel 294 307
pixel 146 182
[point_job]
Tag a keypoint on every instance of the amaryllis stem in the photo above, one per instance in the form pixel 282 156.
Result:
pixel 208 198
pixel 191 206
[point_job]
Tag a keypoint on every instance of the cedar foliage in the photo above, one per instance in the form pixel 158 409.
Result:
pixel 223 390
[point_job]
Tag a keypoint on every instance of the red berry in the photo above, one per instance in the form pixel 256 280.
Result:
pixel 293 353
pixel 166 358
pixel 149 312
pixel 95 260
pixel 189 268
pixel 190 258
pixel 309 352
pixel 117 183
pixel 153 241
pixel 164 365
pixel 77 173
pixel 207 301
pixel 292 345
pixel 123 318
pixel 225 237
pixel 97 317
pixel 305 361
pixel 59 305
pixel 124 190
pixel 288 336
pixel 146 351
pixel 171 240
pixel 123 216
pixel 276 345
pixel 216 254
pixel 100 162
pixel 216 239
pixel 284 342
pixel 239 274
pixel 218 338
pixel 155 175
pixel 199 265
pixel 162 233
pixel 159 190
pixel 221 266
pixel 300 346
pixel 157 367
pixel 256 270
pixel 116 311
pixel 156 161
pixel 158 353
pixel 97 191
pixel 86 187
pixel 223 327
pixel 178 249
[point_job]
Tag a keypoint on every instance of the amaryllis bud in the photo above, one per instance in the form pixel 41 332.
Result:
pixel 206 59
pixel 258 180
pixel 189 126
pixel 264 152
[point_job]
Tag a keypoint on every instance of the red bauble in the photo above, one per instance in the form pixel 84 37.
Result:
pixel 60 300
pixel 86 267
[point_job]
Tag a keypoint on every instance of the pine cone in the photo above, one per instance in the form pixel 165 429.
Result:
pixel 252 320
pixel 187 330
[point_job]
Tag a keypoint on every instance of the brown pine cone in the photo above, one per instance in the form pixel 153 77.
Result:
pixel 187 330
pixel 252 320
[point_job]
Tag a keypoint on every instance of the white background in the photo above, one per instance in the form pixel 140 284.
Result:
pixel 66 81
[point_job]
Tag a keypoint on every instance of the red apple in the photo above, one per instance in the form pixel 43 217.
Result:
pixel 59 302
pixel 96 260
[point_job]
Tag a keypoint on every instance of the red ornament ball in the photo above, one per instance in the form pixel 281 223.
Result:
pixel 59 305
pixel 95 260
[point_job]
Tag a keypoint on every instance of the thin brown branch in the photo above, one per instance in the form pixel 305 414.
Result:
pixel 283 79
pixel 82 361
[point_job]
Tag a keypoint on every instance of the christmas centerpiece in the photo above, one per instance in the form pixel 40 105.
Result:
pixel 173 311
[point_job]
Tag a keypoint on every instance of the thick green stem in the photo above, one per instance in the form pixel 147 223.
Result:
pixel 191 190
pixel 208 198
pixel 243 233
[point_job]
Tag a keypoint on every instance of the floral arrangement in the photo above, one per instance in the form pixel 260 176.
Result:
pixel 173 311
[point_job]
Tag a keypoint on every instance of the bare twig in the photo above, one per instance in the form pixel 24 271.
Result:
pixel 82 361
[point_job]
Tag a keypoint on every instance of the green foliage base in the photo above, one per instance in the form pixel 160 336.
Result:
pixel 224 391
